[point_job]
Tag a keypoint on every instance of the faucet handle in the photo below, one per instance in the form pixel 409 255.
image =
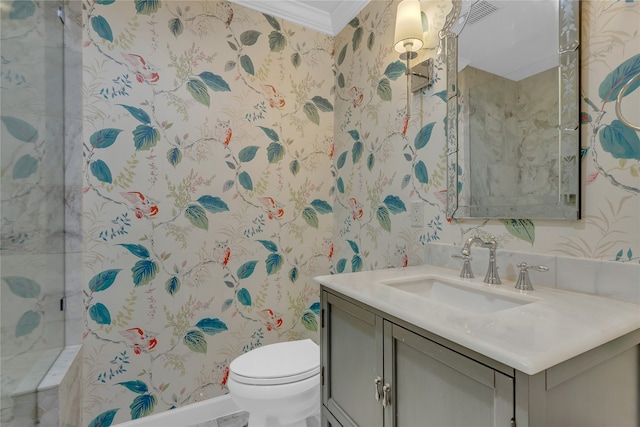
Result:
pixel 524 283
pixel 466 272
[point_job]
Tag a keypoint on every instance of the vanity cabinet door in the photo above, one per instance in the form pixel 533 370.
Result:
pixel 351 362
pixel 434 386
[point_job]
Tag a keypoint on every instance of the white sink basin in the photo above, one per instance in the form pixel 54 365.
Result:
pixel 458 293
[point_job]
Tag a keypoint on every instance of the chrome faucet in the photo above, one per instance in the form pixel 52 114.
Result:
pixel 492 272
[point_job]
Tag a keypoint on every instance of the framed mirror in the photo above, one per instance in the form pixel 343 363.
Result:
pixel 513 116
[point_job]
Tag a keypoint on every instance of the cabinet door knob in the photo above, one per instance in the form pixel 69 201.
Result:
pixel 377 382
pixel 386 395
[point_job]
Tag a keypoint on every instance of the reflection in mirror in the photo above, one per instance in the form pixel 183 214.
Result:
pixel 513 110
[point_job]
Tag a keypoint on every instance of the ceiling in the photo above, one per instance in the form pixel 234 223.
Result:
pixel 325 16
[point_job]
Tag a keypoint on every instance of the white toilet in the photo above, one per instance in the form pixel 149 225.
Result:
pixel 278 384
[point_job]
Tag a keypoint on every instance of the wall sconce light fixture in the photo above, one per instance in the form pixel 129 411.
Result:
pixel 408 41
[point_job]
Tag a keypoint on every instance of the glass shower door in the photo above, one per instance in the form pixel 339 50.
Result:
pixel 32 247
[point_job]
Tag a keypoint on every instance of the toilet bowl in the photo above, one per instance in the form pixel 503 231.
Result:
pixel 278 384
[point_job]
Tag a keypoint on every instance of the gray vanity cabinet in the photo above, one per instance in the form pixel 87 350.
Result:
pixel 378 373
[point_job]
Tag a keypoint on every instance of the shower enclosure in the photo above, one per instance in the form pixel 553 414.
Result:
pixel 32 207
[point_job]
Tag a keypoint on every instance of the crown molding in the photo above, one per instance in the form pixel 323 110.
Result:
pixel 306 15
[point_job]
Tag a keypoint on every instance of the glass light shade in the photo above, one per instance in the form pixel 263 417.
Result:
pixel 408 36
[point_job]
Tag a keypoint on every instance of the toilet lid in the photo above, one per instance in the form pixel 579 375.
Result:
pixel 279 363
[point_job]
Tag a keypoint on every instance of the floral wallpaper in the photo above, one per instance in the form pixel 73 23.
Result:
pixel 230 157
pixel 382 157
pixel 208 137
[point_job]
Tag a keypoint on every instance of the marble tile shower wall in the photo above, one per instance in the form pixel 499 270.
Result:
pixel 32 251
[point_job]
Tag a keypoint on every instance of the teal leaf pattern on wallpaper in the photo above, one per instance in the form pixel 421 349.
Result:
pixel 395 70
pixel 174 156
pixel 211 326
pixel 273 135
pixel 175 26
pixel 273 263
pixel 213 204
pixel 22 9
pixel 384 90
pixel 244 297
pixel 105 419
pixel 20 129
pixel 198 90
pixel 23 286
pixel 102 28
pixel 249 37
pixel 315 307
pixel 195 341
pixel 294 167
pixel 395 204
pixel 137 113
pixel 99 313
pixel 26 166
pixel 371 40
pixel 311 112
pixel 357 38
pixel 137 386
pixel 277 42
pixel 144 271
pixel 197 216
pixel 145 137
pixel 356 151
pixel 104 138
pixel 103 281
pixel 214 82
pixel 269 245
pixel 322 206
pixel 342 55
pixel 272 21
pixel 323 104
pixel 246 269
pixel 294 273
pixel 143 405
pixel 615 80
pixel 371 161
pixel 101 171
pixel 311 217
pixel 172 286
pixel 420 170
pixel 245 181
pixel 423 136
pixel 275 152
pixel 384 219
pixel 137 250
pixel 247 64
pixel 28 322
pixel 523 229
pixel 620 141
pixel 310 321
pixel 147 7
pixel 296 59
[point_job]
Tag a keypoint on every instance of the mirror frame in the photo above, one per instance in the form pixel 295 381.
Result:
pixel 569 113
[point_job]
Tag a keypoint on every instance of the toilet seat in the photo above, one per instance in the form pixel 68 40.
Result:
pixel 277 364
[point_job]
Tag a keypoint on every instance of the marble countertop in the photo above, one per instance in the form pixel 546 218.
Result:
pixel 552 327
